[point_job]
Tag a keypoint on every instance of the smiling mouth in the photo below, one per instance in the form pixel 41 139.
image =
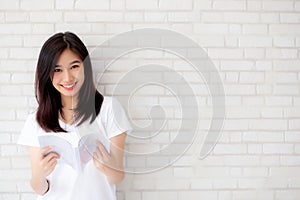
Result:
pixel 69 86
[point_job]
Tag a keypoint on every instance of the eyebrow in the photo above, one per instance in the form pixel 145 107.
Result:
pixel 71 63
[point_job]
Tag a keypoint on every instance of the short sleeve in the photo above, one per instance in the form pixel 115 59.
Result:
pixel 28 136
pixel 117 121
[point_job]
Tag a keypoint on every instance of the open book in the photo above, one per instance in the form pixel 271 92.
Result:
pixel 77 149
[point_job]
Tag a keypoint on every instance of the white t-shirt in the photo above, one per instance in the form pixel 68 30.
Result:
pixel 65 182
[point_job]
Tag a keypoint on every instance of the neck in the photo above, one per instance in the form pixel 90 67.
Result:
pixel 68 102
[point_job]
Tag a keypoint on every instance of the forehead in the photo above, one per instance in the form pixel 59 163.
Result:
pixel 67 57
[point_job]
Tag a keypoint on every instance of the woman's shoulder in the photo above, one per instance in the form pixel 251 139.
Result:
pixel 28 136
pixel 31 122
pixel 113 116
pixel 107 103
pixel 31 117
pixel 107 99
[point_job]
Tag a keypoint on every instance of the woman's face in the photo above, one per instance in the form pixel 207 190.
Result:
pixel 68 74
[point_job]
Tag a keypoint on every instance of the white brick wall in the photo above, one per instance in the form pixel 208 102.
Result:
pixel 255 45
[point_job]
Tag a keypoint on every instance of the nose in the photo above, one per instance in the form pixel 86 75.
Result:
pixel 67 76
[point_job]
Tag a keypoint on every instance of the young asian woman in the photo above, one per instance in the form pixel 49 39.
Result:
pixel 67 98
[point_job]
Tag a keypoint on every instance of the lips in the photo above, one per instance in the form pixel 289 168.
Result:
pixel 69 87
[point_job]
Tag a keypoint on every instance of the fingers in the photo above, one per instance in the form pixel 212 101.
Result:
pixel 102 150
pixel 102 155
pixel 44 150
pixel 99 156
pixel 102 159
pixel 95 159
pixel 50 166
pixel 98 164
pixel 49 161
pixel 52 163
pixel 99 153
pixel 51 155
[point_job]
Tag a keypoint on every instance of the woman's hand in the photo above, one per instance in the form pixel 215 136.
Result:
pixel 42 165
pixel 111 163
pixel 46 162
pixel 103 160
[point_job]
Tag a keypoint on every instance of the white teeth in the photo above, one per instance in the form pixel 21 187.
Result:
pixel 68 86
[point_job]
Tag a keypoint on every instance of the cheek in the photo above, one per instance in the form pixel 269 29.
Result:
pixel 55 79
pixel 81 74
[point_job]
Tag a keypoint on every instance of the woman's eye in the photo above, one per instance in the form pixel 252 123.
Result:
pixel 75 66
pixel 57 70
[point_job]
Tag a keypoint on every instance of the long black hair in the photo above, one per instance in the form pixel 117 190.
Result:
pixel 48 98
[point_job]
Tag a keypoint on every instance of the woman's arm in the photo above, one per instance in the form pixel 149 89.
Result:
pixel 41 167
pixel 111 164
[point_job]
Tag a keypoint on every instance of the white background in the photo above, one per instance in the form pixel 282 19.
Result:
pixel 255 45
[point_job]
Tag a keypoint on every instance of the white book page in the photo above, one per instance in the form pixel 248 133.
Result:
pixel 76 148
pixel 60 146
pixel 97 132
